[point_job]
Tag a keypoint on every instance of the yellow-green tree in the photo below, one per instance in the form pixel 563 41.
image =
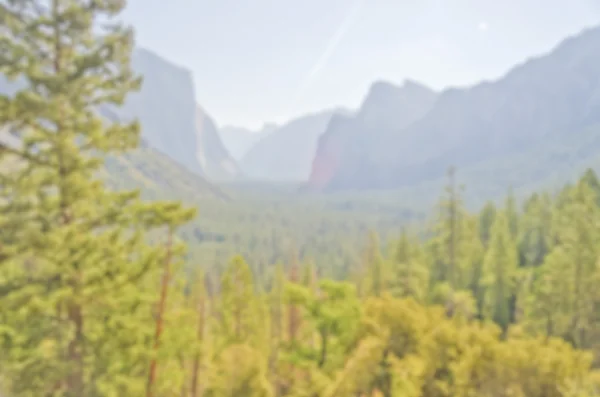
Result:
pixel 500 272
pixel 74 272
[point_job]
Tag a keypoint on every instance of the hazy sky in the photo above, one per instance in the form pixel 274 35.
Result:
pixel 257 61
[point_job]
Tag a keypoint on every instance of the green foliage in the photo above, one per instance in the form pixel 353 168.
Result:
pixel 76 259
pixel 500 267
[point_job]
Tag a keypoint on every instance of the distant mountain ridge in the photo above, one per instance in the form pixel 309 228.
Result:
pixel 555 94
pixel 239 140
pixel 285 154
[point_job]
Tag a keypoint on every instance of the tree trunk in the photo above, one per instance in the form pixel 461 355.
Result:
pixel 160 314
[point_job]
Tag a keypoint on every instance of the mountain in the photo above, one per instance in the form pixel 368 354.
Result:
pixel 239 140
pixel 171 122
pixel 544 99
pixel 345 146
pixel 155 171
pixel 285 155
pixel 165 107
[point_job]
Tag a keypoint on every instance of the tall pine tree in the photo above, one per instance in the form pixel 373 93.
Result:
pixel 500 272
pixel 71 274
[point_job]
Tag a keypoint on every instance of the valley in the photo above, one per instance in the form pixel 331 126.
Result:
pixel 426 243
pixel 402 139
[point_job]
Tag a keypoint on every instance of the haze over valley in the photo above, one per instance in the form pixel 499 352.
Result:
pixel 534 127
pixel 342 198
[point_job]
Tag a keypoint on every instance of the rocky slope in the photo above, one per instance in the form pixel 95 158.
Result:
pixel 545 98
pixel 285 155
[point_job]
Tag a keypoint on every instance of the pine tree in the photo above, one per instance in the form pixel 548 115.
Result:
pixel 473 252
pixel 375 267
pixel 576 231
pixel 535 238
pixel 590 178
pixel 486 220
pixel 410 274
pixel 73 270
pixel 200 301
pixel 548 308
pixel 161 310
pixel 293 312
pixel 277 326
pixel 453 222
pixel 500 267
pixel 512 214
pixel 238 306
pixel 447 248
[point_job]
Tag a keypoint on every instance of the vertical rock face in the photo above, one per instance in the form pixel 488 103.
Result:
pixel 344 153
pixel 166 108
pixel 172 122
pixel 330 148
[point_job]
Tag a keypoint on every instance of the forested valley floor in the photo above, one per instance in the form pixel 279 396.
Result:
pixel 105 293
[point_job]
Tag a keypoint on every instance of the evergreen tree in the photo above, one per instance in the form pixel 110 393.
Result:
pixel 200 303
pixel 577 233
pixel 277 322
pixel 410 277
pixel 512 214
pixel 547 309
pixel 486 220
pixel 449 249
pixel 535 237
pixel 238 309
pixel 591 179
pixel 500 267
pixel 73 271
pixel 375 267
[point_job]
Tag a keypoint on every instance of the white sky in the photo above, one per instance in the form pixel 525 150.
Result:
pixel 257 61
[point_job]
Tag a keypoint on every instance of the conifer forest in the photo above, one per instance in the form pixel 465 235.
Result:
pixel 106 291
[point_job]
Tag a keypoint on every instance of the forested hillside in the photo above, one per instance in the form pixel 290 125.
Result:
pixel 100 296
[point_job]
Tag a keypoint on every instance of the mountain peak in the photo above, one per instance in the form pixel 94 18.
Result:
pixel 381 88
pixel 413 85
pixel 384 100
pixel 382 92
